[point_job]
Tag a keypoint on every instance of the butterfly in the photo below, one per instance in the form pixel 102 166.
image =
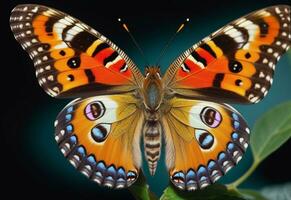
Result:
pixel 116 106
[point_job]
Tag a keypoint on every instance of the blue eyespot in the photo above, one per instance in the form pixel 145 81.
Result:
pixel 69 128
pixel 235 116
pixel 131 176
pixel 111 170
pixel 211 164
pixel 81 150
pixel 68 117
pixel 236 124
pixel 121 172
pixel 91 160
pixel 101 166
pixel 179 175
pixel 221 156
pixel 97 133
pixel 234 136
pixel 100 132
pixel 230 146
pixel 190 175
pixel 204 138
pixel 70 109
pixel 73 139
pixel 201 170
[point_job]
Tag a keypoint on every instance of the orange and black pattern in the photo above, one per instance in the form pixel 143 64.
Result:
pixel 100 132
pixel 237 62
pixel 70 57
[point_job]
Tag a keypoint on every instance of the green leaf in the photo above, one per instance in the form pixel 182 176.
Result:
pixel 212 192
pixel 278 192
pixel 251 194
pixel 140 190
pixel 271 131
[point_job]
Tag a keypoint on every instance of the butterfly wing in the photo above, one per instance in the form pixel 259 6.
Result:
pixel 71 59
pixel 237 62
pixel 100 138
pixel 203 141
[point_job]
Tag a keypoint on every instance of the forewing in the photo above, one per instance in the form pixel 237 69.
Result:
pixel 71 59
pixel 236 63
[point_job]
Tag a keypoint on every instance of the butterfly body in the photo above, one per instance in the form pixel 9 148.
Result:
pixel 100 131
pixel 152 128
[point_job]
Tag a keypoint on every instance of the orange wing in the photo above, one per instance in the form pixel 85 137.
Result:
pixel 71 58
pixel 100 137
pixel 203 141
pixel 237 62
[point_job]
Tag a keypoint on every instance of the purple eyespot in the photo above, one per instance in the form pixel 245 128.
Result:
pixel 94 110
pixel 210 117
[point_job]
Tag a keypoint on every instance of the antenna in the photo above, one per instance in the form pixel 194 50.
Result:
pixel 133 40
pixel 180 28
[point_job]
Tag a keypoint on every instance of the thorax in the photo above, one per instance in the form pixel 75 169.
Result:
pixel 152 89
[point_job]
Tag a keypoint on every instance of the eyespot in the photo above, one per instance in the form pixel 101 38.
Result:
pixel 74 62
pixel 204 138
pixel 235 66
pixel 99 132
pixel 94 110
pixel 210 117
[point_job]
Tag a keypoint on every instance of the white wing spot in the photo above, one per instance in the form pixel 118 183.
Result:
pixel 48 67
pixel 246 145
pixel 44 58
pixel 50 78
pixel 284 34
pixel 257 86
pixel 268 78
pixel 248 130
pixel 35 9
pixel 56 89
pixel 265 60
pixel 40 49
pixel 251 96
pixel 28 43
pixel 276 54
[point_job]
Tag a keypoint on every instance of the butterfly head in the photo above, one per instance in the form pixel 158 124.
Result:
pixel 152 88
pixel 153 72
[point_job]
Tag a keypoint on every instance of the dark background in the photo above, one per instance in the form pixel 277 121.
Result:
pixel 33 165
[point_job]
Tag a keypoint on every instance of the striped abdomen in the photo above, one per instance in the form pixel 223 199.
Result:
pixel 152 143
